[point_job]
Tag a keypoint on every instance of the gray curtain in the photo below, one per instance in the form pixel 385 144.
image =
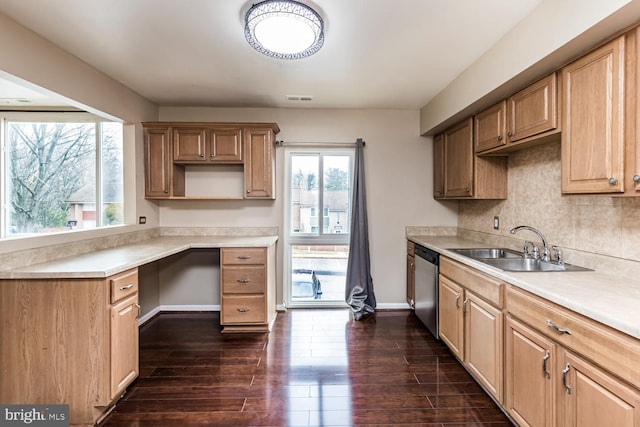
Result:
pixel 359 286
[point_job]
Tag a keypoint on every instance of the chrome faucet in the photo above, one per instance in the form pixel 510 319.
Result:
pixel 545 248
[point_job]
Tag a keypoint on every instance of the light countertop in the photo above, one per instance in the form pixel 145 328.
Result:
pixel 106 262
pixel 605 298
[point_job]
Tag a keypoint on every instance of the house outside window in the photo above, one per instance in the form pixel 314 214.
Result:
pixel 60 172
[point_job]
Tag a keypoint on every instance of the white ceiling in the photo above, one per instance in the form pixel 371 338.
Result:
pixel 377 53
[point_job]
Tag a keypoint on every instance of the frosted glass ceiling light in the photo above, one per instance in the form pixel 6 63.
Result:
pixel 284 29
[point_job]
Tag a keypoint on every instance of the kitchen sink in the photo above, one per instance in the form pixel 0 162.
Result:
pixel 488 253
pixel 509 260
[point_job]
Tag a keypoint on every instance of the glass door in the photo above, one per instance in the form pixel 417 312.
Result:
pixel 318 219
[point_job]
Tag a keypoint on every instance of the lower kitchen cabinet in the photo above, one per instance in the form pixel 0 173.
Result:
pixel 411 275
pixel 529 389
pixel 565 370
pixel 72 341
pixel 471 322
pixel 247 287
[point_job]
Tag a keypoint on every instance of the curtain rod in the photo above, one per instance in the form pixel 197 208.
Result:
pixel 345 144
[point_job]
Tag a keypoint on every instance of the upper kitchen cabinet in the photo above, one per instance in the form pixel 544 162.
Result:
pixel 465 175
pixel 207 145
pixel 528 117
pixel 600 152
pixel 173 147
pixel 161 178
pixel 438 166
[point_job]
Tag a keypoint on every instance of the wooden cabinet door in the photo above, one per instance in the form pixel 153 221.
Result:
pixel 157 162
pixel 590 397
pixel 483 346
pixel 189 145
pixel 411 281
pixel 225 145
pixel 450 316
pixel 438 166
pixel 530 376
pixel 124 344
pixel 593 121
pixel 458 160
pixel 259 166
pixel 489 127
pixel 533 110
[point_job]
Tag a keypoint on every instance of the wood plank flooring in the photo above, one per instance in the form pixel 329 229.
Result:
pixel 316 368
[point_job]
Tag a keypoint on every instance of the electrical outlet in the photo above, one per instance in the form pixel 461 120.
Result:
pixel 496 223
pixel 142 220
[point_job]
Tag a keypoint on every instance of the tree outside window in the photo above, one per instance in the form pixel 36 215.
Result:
pixel 53 182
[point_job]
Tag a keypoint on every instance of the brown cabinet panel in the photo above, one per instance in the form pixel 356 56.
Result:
pixel 450 316
pixel 243 256
pixel 458 160
pixel 411 274
pixel 438 166
pixel 225 145
pixel 259 164
pixel 123 284
pixel 243 279
pixel 243 309
pixel 490 128
pixel 593 121
pixel 533 110
pixel 124 344
pixel 157 160
pixel 189 144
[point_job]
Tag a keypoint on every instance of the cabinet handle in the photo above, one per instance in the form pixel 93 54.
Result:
pixel 509 134
pixel 248 191
pixel 499 137
pixel 564 378
pixel 464 305
pixel 244 257
pixel 613 181
pixel 243 309
pixel 557 329
pixel 125 287
pixel 243 280
pixel 544 365
pixel 458 301
pixel 467 189
pixel 202 155
pixel 636 178
pixel 138 307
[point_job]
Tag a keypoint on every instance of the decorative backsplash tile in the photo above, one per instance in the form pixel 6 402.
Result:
pixel 592 224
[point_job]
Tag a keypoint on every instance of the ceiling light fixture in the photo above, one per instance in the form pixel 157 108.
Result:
pixel 284 29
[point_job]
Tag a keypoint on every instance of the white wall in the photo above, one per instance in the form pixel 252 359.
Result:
pixel 399 170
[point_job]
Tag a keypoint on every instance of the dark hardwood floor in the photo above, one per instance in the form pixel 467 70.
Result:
pixel 316 368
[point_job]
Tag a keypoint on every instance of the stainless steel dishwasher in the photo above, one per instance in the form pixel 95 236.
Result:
pixel 426 278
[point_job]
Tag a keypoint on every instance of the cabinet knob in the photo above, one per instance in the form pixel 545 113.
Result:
pixel 467 189
pixel 499 137
pixel 509 134
pixel 613 181
pixel 248 191
pixel 636 178
pixel 201 155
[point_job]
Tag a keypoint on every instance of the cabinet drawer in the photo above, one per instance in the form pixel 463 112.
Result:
pixel 243 256
pixel 243 309
pixel 123 284
pixel 611 349
pixel 487 287
pixel 243 280
pixel 411 248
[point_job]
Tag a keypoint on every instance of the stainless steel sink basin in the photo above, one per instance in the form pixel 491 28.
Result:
pixel 530 264
pixel 488 253
pixel 509 260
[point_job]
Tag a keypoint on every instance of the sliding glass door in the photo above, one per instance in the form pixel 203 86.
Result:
pixel 318 217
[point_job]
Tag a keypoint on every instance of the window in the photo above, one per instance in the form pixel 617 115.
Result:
pixel 60 171
pixel 318 207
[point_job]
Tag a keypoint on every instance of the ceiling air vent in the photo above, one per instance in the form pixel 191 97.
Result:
pixel 299 98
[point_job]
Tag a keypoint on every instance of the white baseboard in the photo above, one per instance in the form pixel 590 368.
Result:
pixel 143 319
pixel 393 306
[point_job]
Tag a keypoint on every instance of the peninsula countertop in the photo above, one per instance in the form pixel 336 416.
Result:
pixel 106 262
pixel 603 297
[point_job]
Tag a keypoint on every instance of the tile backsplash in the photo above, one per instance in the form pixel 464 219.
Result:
pixel 599 225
